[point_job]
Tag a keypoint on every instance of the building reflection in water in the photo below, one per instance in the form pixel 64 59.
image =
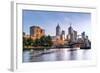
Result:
pixel 72 55
pixel 57 55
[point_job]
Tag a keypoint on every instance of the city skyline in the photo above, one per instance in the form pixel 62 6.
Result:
pixel 48 20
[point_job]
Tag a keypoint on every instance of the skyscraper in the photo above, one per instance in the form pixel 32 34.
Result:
pixel 63 35
pixel 75 36
pixel 70 29
pixel 72 34
pixel 58 32
pixel 37 32
pixel 83 35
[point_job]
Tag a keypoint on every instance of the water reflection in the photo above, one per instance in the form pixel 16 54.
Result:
pixel 72 55
pixel 57 55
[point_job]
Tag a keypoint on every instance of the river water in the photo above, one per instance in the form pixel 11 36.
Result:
pixel 57 55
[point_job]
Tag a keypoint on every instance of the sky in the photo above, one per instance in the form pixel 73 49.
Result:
pixel 48 20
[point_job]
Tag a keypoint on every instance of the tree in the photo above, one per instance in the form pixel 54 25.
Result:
pixel 49 41
pixel 46 41
pixel 27 42
pixel 24 41
pixel 37 42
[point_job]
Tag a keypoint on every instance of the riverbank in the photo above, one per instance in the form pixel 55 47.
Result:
pixel 42 48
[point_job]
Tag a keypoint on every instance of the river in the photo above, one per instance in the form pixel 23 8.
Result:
pixel 57 55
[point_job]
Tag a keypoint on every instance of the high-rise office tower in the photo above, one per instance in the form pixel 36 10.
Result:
pixel 58 32
pixel 63 35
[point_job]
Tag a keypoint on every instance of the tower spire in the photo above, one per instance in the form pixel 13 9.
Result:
pixel 57 30
pixel 57 24
pixel 70 24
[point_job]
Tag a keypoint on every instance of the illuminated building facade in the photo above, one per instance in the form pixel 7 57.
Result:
pixel 36 32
